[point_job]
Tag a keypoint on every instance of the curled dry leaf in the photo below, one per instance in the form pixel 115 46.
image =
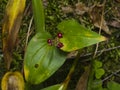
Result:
pixel 11 25
pixel 98 20
pixel 12 81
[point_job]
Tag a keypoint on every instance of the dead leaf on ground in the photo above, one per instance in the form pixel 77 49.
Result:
pixel 80 8
pixel 67 9
pixel 98 20
pixel 117 1
pixel 114 23
pixel 82 83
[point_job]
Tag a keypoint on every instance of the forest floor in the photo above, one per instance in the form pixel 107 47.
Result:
pixel 101 16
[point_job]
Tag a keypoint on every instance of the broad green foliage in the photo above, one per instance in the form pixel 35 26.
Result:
pixel 54 87
pixel 41 59
pixel 75 36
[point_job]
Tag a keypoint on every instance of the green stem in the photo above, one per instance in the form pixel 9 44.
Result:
pixel 39 18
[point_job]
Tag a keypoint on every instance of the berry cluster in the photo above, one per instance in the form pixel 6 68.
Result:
pixel 56 41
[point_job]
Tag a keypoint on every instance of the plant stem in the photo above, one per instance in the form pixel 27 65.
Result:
pixel 39 16
pixel 67 80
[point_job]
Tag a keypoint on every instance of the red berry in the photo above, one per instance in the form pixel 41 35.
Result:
pixel 59 35
pixel 60 45
pixel 49 41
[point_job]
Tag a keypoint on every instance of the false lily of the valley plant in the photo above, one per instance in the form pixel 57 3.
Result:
pixel 45 54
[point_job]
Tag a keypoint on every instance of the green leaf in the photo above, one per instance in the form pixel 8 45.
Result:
pixel 41 59
pixel 97 64
pixel 38 12
pixel 113 86
pixel 104 89
pixel 99 73
pixel 55 87
pixel 96 84
pixel 75 36
pixel 100 88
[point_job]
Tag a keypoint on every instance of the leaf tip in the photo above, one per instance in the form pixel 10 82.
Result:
pixel 104 38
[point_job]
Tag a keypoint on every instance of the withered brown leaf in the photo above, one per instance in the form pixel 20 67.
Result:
pixel 82 83
pixel 11 25
pixel 98 20
pixel 80 8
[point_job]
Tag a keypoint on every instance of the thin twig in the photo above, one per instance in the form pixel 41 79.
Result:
pixel 118 20
pixel 100 51
pixel 104 50
pixel 117 75
pixel 27 9
pixel 113 73
pixel 101 23
pixel 28 33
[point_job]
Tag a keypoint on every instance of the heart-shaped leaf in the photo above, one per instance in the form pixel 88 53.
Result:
pixel 42 59
pixel 97 64
pixel 99 73
pixel 75 36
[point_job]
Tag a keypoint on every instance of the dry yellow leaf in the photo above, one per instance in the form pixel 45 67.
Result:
pixel 82 83
pixel 12 81
pixel 11 25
